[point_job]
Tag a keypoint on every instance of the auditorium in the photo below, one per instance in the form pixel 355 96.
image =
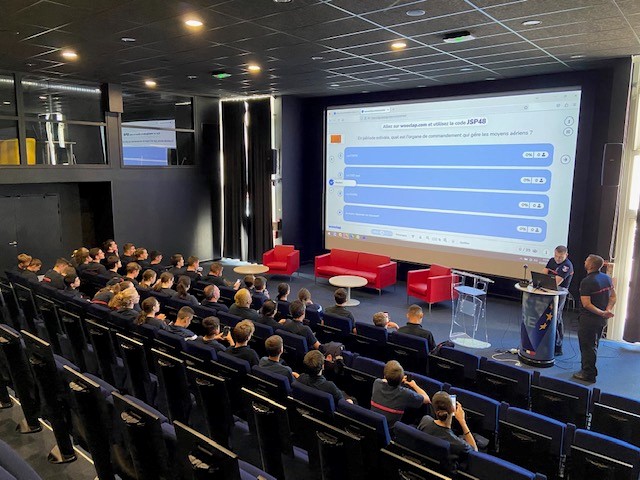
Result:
pixel 320 239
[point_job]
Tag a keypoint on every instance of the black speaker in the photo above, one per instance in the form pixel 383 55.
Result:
pixel 611 163
pixel 112 98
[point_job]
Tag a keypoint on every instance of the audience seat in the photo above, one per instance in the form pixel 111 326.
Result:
pixel 431 285
pixel 566 401
pixel 282 260
pixel 411 351
pixel 13 466
pixel 454 366
pixel 370 341
pixel 481 466
pixel 616 416
pixel 503 382
pixel 481 414
pixel 432 452
pixel 358 379
pixel 596 456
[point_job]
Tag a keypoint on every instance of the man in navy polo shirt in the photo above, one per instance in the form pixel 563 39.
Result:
pixel 562 268
pixel 597 298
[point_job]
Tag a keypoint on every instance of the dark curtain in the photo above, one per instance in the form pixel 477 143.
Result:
pixel 235 177
pixel 260 168
pixel 632 325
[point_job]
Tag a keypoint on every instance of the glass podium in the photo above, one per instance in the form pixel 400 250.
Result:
pixel 468 315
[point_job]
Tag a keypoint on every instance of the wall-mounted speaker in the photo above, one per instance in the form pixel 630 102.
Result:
pixel 611 163
pixel 112 98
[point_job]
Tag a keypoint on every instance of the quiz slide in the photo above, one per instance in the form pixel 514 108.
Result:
pixel 480 183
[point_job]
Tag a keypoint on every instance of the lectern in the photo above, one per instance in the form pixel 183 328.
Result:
pixel 538 327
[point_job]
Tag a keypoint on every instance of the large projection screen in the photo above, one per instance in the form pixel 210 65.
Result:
pixel 479 183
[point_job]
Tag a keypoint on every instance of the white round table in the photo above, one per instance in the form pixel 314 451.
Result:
pixel 349 282
pixel 252 269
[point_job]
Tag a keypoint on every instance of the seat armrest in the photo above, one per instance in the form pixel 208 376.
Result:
pixel 322 260
pixel 293 259
pixel 417 275
pixel 268 256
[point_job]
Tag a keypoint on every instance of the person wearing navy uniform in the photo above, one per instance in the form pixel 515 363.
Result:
pixel 562 268
pixel 597 298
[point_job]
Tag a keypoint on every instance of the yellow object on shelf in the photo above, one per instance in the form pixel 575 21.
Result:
pixel 10 151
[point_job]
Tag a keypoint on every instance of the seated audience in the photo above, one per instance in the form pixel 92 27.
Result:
pixel 23 262
pixel 31 273
pixel 78 257
pixel 304 296
pixel 55 276
pixel 133 270
pixel 440 427
pixel 249 281
pixel 268 315
pixel 241 306
pixel 181 325
pixel 150 316
pixel 128 253
pixel 177 265
pixel 182 291
pixel 213 336
pixel 414 326
pixel 124 303
pixel 72 283
pixel 109 247
pixel 105 294
pixel 95 266
pixel 82 260
pixel 296 326
pixel 193 269
pixel 314 366
pixel 141 257
pixel 282 300
pixel 242 333
pixel 272 362
pixel 215 277
pixel 164 284
pixel 155 262
pixel 260 293
pixel 211 297
pixel 393 394
pixel 148 280
pixel 381 319
pixel 340 297
pixel 113 265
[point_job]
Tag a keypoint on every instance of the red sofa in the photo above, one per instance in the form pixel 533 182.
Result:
pixel 432 284
pixel 379 270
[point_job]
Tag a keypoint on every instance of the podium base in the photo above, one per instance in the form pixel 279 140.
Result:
pixel 536 363
pixel 465 340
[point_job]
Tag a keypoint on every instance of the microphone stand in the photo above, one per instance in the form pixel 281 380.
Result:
pixel 524 283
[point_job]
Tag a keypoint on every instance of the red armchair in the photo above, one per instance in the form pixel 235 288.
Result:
pixel 432 284
pixel 282 260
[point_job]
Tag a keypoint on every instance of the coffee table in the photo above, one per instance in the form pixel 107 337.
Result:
pixel 349 282
pixel 252 269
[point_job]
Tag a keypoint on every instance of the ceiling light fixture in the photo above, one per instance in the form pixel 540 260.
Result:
pixel 192 77
pixel 458 37
pixel 253 68
pixel 490 78
pixel 282 1
pixel 317 58
pixel 128 39
pixel 398 45
pixel 576 56
pixel 193 22
pixel 220 75
pixel 393 79
pixel 69 54
pixel 42 97
pixel 6 103
pixel 334 85
pixel 466 69
pixel 415 13
pixel 150 83
pixel 531 23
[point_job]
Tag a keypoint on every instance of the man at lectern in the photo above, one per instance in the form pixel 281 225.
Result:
pixel 597 299
pixel 562 268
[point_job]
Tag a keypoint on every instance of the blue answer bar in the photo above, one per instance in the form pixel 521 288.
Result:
pixel 526 155
pixel 481 202
pixel 501 227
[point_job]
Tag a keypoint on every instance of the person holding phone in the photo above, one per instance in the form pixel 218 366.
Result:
pixel 445 409
pixel 213 336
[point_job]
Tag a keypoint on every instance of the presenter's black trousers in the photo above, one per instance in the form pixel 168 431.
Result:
pixel 589 334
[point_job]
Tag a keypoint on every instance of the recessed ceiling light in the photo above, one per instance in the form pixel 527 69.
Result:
pixel 6 103
pixel 192 77
pixel 282 1
pixel 391 79
pixel 42 97
pixel 150 83
pixel 490 78
pixel 458 37
pixel 577 56
pixel 415 13
pixel 398 45
pixel 69 54
pixel 128 39
pixel 531 23
pixel 466 69
pixel 254 68
pixel 317 58
pixel 193 22
pixel 365 91
pixel 31 64
pixel 334 85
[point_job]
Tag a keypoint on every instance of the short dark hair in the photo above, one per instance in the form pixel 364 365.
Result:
pixel 249 280
pixel 149 274
pixel 296 309
pixel 133 267
pixel 112 261
pixel 561 249
pixel 260 283
pixel 93 253
pixel 442 405
pixel 211 325
pixel 596 260
pixel 107 244
pixel 186 312
pixel 268 308
pixel 209 291
pixel 273 345
pixel 304 295
pixel 63 262
pixel 283 289
pixel 215 267
pixel 127 246
pixel 69 279
pixel 153 254
pixel 243 331
pixel 192 260
pixel 314 362
pixel 340 296
pixel 139 251
pixel 393 373
pixel 175 259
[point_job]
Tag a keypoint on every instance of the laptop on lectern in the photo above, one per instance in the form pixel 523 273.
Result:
pixel 542 280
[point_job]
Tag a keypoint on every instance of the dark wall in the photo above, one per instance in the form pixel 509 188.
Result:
pixel 604 101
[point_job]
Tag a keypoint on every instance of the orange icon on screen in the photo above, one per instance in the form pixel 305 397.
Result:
pixel 336 138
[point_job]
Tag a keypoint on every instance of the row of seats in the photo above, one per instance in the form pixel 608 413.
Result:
pixel 360 366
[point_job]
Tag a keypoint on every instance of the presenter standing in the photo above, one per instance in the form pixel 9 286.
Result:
pixel 597 298
pixel 562 268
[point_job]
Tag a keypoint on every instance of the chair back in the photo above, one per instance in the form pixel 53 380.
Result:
pixel 411 351
pixel 435 452
pixel 617 417
pixel 505 383
pixel 566 401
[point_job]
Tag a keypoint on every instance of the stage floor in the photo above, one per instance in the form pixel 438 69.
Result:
pixel 618 363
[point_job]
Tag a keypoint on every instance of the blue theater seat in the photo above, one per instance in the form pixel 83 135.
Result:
pixel 12 466
pixel 433 452
pixel 481 466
